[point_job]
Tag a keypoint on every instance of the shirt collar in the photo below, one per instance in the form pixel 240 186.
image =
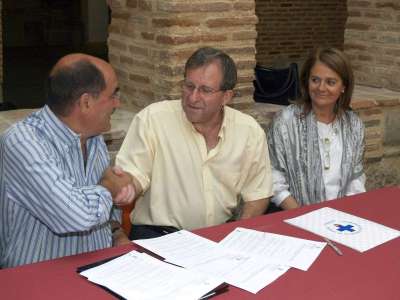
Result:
pixel 222 130
pixel 223 125
pixel 57 128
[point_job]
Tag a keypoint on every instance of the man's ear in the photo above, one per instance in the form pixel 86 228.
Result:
pixel 227 97
pixel 85 102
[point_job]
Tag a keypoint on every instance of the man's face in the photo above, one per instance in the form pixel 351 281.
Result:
pixel 202 99
pixel 104 105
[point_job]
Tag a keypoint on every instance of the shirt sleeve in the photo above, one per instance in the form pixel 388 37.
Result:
pixel 136 154
pixel 280 187
pixel 258 184
pixel 37 181
pixel 116 214
pixel 356 186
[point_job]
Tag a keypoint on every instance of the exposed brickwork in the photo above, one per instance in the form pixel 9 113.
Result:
pixel 149 42
pixel 372 40
pixel 1 56
pixel 378 108
pixel 288 29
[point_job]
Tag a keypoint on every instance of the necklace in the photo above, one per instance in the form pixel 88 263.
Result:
pixel 327 132
pixel 326 145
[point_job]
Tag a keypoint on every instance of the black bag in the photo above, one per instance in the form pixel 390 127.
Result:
pixel 276 86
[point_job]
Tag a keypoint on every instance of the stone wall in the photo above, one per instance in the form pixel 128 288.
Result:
pixel 149 42
pixel 288 29
pixel 372 40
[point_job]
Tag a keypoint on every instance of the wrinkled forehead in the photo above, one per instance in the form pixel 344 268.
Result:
pixel 207 75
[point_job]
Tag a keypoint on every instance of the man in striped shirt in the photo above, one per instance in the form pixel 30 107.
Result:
pixel 58 195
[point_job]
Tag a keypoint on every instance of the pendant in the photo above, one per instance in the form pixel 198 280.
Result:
pixel 327 158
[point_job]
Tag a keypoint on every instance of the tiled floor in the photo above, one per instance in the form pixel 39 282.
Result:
pixel 25 71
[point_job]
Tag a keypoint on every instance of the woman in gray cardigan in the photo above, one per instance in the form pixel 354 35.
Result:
pixel 316 145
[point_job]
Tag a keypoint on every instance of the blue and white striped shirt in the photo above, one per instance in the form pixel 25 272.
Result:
pixel 51 204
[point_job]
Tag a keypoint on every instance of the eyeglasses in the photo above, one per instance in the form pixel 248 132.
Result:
pixel 203 90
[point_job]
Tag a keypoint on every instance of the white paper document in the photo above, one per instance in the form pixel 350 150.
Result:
pixel 178 247
pixel 349 230
pixel 141 277
pixel 194 252
pixel 275 248
pixel 244 271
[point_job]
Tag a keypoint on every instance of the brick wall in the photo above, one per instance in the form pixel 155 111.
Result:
pixel 1 54
pixel 149 42
pixel 372 40
pixel 379 109
pixel 288 29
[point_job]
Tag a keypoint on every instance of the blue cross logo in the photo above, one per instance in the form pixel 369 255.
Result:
pixel 342 228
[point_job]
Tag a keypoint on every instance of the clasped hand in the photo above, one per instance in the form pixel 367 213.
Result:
pixel 120 185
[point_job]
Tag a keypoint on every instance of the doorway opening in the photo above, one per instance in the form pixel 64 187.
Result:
pixel 36 33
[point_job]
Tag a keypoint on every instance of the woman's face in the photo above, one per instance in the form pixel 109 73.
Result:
pixel 324 87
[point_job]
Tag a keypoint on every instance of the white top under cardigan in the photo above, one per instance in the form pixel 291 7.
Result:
pixel 330 146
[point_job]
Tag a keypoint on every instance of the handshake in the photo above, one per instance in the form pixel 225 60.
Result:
pixel 123 187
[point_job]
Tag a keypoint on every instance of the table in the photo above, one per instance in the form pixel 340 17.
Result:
pixel 374 274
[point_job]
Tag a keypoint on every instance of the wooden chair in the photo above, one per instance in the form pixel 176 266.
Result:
pixel 126 221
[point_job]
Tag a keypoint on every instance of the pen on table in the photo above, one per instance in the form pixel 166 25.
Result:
pixel 218 291
pixel 333 246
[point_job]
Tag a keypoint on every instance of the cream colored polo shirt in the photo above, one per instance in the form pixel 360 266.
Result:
pixel 184 185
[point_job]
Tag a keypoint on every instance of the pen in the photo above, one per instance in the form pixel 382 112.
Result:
pixel 217 291
pixel 333 246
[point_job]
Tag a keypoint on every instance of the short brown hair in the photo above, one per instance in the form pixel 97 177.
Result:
pixel 206 55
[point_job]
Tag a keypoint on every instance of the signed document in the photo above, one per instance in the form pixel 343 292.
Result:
pixel 282 249
pixel 352 231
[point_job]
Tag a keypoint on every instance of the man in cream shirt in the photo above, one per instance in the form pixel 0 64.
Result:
pixel 193 160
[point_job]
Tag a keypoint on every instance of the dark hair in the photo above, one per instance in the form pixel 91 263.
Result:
pixel 206 55
pixel 336 61
pixel 66 84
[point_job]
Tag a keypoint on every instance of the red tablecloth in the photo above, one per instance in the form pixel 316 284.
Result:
pixel 374 274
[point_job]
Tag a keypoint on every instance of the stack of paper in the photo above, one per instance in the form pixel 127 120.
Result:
pixel 349 230
pixel 139 276
pixel 248 268
pixel 246 258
